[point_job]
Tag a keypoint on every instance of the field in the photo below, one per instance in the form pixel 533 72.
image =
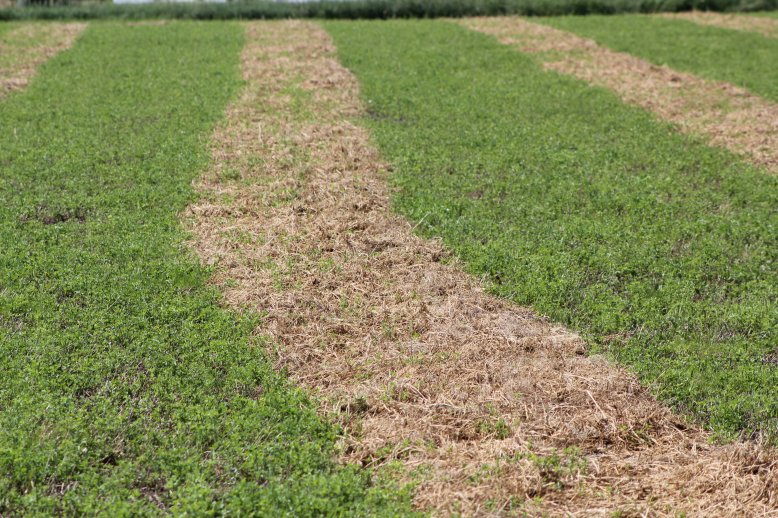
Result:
pixel 478 265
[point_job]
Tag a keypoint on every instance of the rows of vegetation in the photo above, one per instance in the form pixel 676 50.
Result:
pixel 743 58
pixel 15 45
pixel 125 388
pixel 367 9
pixel 659 249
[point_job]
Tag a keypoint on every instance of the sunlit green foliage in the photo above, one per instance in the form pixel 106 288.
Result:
pixel 659 249
pixel 125 389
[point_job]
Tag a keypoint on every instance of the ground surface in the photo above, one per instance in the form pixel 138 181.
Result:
pixel 23 47
pixel 125 388
pixel 584 208
pixel 132 388
pixel 729 116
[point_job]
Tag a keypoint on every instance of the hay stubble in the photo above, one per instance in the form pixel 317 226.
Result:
pixel 484 404
pixel 727 115
pixel 25 48
pixel 767 27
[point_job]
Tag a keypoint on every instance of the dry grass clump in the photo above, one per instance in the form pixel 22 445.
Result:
pixel 483 404
pixel 24 49
pixel 149 23
pixel 728 115
pixel 765 26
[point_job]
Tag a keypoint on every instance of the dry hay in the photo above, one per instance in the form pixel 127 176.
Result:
pixel 24 49
pixel 729 116
pixel 739 22
pixel 149 23
pixel 483 404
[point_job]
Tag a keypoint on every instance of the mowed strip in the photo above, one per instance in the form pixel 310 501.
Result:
pixel 765 26
pixel 745 59
pixel 24 48
pixel 126 388
pixel 729 116
pixel 486 407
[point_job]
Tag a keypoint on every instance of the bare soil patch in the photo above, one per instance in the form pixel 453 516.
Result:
pixel 486 406
pixel 24 49
pixel 765 26
pixel 727 115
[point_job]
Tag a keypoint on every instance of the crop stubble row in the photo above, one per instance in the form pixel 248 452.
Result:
pixel 418 363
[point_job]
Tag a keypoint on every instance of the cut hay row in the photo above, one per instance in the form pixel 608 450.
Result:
pixel 126 390
pixel 25 48
pixel 765 26
pixel 482 403
pixel 729 116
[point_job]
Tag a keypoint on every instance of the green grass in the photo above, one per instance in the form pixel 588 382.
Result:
pixel 661 250
pixel 124 384
pixel 7 26
pixel 14 45
pixel 742 58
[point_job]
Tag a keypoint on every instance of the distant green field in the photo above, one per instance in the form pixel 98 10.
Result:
pixel 126 390
pixel 659 249
pixel 742 58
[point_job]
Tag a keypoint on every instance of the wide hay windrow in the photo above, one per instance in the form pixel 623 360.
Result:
pixel 727 115
pixel 25 48
pixel 765 26
pixel 483 404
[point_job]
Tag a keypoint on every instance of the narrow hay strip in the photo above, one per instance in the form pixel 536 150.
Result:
pixel 729 116
pixel 739 22
pixel 24 49
pixel 484 404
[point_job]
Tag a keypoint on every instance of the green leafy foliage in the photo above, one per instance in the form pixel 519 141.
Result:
pixel 125 388
pixel 659 249
pixel 743 58
pixel 367 9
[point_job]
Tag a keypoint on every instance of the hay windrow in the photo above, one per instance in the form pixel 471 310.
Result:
pixel 767 27
pixel 24 49
pixel 727 115
pixel 485 405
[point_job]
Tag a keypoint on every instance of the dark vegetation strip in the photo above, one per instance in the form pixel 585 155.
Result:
pixel 661 250
pixel 745 59
pixel 377 9
pixel 125 388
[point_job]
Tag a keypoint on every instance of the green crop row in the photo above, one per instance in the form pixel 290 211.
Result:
pixel 659 249
pixel 126 390
pixel 742 58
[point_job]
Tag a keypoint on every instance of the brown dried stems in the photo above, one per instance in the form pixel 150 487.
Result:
pixel 484 405
pixel 729 116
